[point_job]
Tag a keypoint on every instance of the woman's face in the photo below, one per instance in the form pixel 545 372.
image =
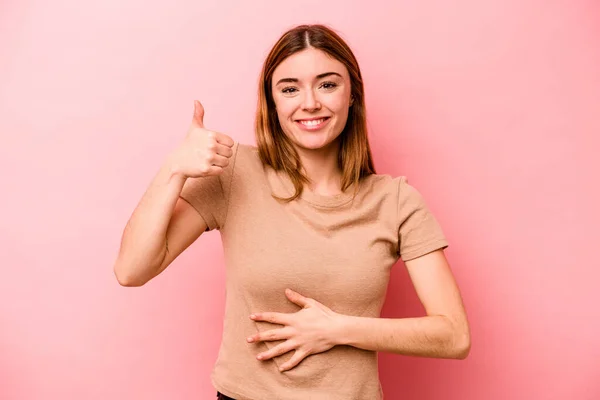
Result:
pixel 311 91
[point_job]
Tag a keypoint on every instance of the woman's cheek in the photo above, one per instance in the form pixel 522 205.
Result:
pixel 339 102
pixel 286 109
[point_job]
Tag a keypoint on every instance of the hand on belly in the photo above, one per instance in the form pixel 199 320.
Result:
pixel 310 330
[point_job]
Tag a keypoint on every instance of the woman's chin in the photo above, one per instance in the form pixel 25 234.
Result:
pixel 313 142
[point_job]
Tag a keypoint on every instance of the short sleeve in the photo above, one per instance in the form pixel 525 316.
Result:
pixel 419 232
pixel 210 195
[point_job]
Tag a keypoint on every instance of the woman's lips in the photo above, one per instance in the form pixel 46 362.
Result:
pixel 312 125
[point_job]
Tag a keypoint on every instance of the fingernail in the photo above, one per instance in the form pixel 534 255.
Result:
pixel 250 339
pixel 252 316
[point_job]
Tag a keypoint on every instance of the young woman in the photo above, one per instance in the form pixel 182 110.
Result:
pixel 310 233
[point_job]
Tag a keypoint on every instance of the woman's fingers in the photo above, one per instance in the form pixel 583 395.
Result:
pixel 224 150
pixel 278 350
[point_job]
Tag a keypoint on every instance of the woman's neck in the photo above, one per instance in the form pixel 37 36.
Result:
pixel 322 169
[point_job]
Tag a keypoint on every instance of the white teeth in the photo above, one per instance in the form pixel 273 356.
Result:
pixel 313 122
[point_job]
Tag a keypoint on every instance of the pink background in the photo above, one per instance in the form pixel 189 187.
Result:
pixel 492 109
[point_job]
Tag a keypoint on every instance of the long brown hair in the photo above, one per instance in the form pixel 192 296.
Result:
pixel 275 148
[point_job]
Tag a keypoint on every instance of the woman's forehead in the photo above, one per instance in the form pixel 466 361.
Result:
pixel 308 64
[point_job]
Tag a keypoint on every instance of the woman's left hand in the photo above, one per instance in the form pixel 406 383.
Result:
pixel 308 331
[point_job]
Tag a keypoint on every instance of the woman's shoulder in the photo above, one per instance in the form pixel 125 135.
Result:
pixel 245 158
pixel 397 186
pixel 385 181
pixel 245 150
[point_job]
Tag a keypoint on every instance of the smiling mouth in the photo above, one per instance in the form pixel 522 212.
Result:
pixel 313 122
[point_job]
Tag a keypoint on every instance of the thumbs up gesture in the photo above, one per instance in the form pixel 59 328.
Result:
pixel 203 152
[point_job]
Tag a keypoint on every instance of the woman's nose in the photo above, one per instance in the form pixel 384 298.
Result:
pixel 310 101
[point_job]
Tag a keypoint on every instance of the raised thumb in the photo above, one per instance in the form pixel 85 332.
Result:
pixel 198 114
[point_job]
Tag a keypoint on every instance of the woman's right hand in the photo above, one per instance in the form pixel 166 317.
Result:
pixel 203 152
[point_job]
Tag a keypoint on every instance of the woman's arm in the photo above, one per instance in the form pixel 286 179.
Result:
pixel 163 224
pixel 443 333
pixel 160 228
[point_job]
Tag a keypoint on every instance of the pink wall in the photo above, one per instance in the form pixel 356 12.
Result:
pixel 491 108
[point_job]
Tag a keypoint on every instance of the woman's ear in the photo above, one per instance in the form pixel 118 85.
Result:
pixel 351 100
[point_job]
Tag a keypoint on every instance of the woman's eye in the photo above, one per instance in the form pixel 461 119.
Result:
pixel 329 85
pixel 288 89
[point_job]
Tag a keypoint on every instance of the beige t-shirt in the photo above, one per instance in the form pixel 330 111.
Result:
pixel 334 249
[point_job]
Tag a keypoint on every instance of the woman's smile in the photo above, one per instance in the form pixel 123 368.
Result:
pixel 312 124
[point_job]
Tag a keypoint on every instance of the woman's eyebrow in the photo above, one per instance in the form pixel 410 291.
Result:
pixel 327 74
pixel 320 76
